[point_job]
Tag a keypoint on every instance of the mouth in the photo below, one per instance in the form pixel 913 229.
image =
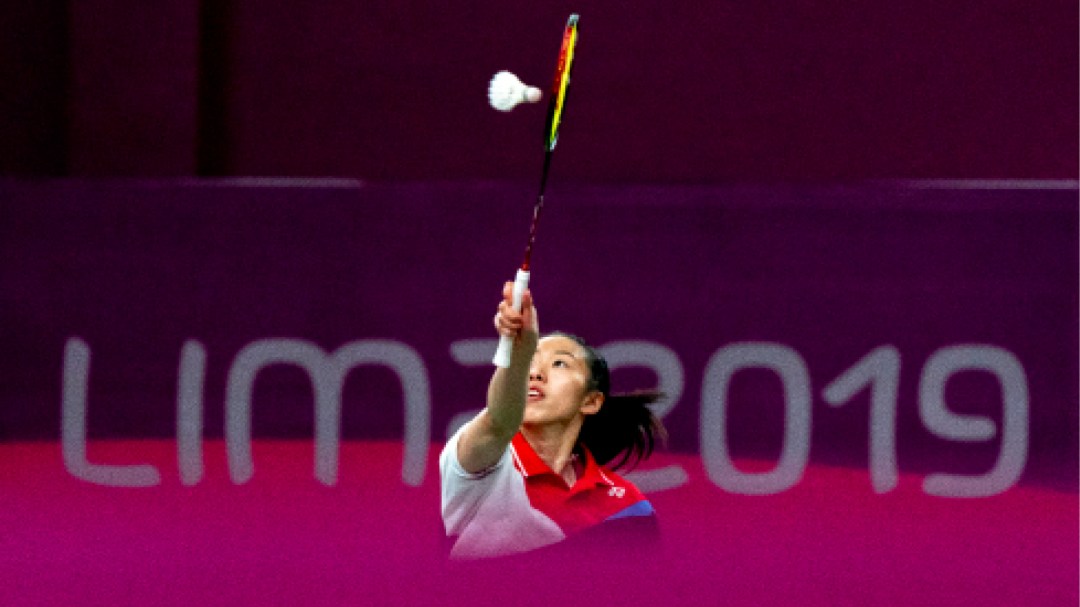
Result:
pixel 535 393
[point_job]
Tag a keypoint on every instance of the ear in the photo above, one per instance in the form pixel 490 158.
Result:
pixel 592 403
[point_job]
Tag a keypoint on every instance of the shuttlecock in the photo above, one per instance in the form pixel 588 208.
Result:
pixel 506 91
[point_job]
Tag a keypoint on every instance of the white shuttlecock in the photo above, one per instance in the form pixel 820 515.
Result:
pixel 506 91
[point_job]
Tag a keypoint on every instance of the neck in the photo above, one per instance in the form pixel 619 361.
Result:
pixel 555 445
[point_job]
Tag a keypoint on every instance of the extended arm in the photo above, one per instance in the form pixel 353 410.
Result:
pixel 484 439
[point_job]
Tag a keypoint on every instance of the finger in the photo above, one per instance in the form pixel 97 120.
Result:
pixel 508 324
pixel 500 324
pixel 507 319
pixel 509 315
pixel 507 328
pixel 506 310
pixel 508 291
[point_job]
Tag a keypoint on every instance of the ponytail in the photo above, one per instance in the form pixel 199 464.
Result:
pixel 625 430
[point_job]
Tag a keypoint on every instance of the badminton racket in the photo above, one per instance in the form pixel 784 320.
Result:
pixel 551 136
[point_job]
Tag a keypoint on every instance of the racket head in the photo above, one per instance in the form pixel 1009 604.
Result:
pixel 561 83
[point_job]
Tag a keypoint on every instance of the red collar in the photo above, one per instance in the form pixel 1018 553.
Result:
pixel 529 463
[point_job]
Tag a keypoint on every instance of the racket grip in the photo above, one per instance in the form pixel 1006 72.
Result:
pixel 502 354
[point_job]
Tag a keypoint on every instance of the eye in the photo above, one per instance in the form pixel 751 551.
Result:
pixel 560 363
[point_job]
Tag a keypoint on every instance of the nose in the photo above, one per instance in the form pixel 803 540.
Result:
pixel 535 374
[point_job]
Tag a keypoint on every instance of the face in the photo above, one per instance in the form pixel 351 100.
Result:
pixel 559 384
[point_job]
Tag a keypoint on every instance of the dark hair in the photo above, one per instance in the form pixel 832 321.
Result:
pixel 625 430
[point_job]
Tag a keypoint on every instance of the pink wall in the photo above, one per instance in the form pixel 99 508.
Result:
pixel 697 92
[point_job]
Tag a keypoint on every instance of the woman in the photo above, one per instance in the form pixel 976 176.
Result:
pixel 528 471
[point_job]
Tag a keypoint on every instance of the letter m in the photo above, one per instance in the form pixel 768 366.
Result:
pixel 327 374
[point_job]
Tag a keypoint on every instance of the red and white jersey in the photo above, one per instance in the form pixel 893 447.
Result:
pixel 520 504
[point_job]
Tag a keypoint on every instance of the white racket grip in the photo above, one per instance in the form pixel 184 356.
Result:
pixel 502 354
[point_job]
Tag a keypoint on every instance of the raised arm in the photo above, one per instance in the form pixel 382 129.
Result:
pixel 484 439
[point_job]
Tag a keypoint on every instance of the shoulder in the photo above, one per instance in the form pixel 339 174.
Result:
pixel 450 465
pixel 621 486
pixel 629 502
pixel 464 493
pixel 629 524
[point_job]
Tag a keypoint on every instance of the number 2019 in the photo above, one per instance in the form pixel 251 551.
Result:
pixel 878 370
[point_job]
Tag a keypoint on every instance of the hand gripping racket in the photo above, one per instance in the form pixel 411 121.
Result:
pixel 551 136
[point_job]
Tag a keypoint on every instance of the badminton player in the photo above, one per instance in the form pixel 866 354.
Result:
pixel 535 467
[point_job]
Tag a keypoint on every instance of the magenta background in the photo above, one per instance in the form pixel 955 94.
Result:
pixel 702 94
pixel 687 92
pixel 136 268
pixel 285 539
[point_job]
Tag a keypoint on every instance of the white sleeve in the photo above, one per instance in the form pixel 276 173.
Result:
pixel 463 492
pixel 489 512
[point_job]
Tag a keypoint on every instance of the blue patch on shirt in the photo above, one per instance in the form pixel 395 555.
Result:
pixel 642 508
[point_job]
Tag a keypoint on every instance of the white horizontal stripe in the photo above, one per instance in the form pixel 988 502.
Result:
pixel 994 184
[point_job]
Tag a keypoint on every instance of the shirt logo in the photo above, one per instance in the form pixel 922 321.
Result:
pixel 617 491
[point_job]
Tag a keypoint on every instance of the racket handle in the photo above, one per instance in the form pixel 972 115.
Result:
pixel 502 354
